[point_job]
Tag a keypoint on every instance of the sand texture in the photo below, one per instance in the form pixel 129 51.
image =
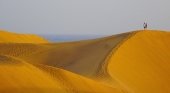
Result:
pixel 132 62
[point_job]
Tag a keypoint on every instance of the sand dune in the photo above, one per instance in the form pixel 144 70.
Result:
pixel 8 37
pixel 133 62
pixel 73 56
pixel 142 63
pixel 17 76
pixel 20 77
pixel 76 83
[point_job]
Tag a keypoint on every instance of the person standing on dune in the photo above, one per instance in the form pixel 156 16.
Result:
pixel 145 25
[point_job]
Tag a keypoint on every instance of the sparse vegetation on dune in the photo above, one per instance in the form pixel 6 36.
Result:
pixel 134 62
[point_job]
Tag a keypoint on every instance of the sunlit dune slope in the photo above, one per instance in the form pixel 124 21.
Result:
pixel 142 63
pixel 8 37
pixel 17 76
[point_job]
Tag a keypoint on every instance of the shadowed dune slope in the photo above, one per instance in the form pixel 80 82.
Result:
pixel 72 56
pixel 8 37
pixel 17 76
pixel 142 63
pixel 77 84
pixel 87 58
pixel 78 56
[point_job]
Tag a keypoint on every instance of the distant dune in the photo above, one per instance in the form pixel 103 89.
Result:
pixel 8 37
pixel 133 62
pixel 70 38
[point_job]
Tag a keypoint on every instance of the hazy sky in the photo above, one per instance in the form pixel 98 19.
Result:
pixel 83 16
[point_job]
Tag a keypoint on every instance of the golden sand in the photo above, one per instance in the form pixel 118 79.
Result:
pixel 133 62
pixel 142 63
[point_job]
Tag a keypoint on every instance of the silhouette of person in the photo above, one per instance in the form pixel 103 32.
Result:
pixel 145 25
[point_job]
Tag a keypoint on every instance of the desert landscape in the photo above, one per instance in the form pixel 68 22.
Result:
pixel 132 62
